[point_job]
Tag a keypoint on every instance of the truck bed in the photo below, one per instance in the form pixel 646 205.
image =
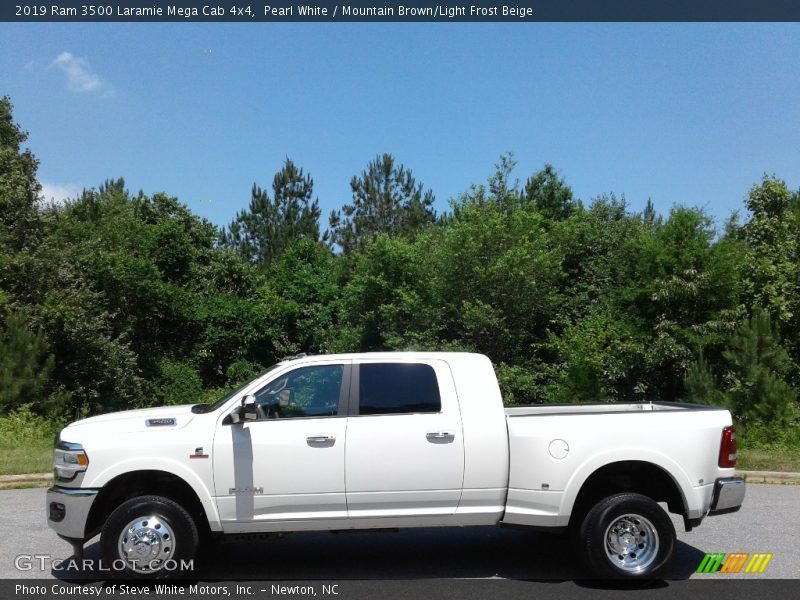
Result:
pixel 554 448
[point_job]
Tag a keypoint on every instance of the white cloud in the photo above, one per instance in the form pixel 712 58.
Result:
pixel 55 193
pixel 80 77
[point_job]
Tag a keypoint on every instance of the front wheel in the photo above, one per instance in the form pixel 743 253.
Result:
pixel 149 537
pixel 627 536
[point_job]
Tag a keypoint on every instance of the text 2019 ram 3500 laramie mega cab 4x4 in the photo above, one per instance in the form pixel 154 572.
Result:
pixel 389 440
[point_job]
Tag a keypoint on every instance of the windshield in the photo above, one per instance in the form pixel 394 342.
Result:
pixel 212 407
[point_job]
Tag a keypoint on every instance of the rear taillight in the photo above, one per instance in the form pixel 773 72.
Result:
pixel 727 448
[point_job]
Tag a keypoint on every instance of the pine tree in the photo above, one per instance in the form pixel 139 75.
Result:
pixel 549 194
pixel 386 199
pixel 264 231
pixel 701 385
pixel 757 389
pixel 24 364
pixel 649 213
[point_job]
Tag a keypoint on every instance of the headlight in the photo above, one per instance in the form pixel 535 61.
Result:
pixel 68 460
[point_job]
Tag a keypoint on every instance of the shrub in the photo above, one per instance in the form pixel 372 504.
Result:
pixel 178 383
pixel 240 371
pixel 23 428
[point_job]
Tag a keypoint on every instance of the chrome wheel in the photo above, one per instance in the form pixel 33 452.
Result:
pixel 146 543
pixel 631 543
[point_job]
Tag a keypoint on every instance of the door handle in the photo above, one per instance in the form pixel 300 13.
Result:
pixel 321 439
pixel 440 435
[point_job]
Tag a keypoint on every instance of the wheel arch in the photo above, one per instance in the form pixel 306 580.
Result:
pixel 638 476
pixel 151 482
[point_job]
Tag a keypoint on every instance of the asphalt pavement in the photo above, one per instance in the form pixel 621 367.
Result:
pixel 769 522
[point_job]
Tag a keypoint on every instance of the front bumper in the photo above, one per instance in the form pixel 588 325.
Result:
pixel 728 495
pixel 68 510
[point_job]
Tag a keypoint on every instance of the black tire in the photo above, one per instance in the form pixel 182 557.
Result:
pixel 173 530
pixel 640 525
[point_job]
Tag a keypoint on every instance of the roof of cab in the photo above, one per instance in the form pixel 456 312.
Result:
pixel 382 355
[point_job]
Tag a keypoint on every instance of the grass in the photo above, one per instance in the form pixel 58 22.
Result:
pixel 15 460
pixel 28 485
pixel 26 442
pixel 769 460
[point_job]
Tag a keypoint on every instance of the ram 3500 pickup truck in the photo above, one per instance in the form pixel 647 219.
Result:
pixel 389 440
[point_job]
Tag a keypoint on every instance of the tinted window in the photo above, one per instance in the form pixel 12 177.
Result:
pixel 390 388
pixel 304 392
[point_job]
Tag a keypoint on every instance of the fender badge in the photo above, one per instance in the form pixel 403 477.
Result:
pixel 159 422
pixel 246 490
pixel 198 453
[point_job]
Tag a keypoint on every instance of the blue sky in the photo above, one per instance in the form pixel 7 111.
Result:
pixel 691 114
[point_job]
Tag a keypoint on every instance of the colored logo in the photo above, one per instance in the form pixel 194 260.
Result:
pixel 736 562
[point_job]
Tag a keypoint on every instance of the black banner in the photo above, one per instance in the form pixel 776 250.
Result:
pixel 462 589
pixel 404 11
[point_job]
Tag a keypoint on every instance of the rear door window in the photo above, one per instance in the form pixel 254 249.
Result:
pixel 397 388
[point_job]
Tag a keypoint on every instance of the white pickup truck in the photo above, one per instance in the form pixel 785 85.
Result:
pixel 389 440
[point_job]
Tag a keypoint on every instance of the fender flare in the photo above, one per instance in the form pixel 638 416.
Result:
pixel 155 463
pixel 598 461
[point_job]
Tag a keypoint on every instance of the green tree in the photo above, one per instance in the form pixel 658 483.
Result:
pixel 121 283
pixel 495 275
pixel 263 231
pixel 649 215
pixel 388 301
pixel 549 194
pixel 641 294
pixel 701 385
pixel 771 277
pixel 178 383
pixel 600 358
pixel 756 386
pixel 19 189
pixel 142 302
pixel 386 199
pixel 307 279
pixel 25 364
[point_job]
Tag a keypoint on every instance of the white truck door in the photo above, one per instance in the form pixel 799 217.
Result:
pixel 288 464
pixel 405 447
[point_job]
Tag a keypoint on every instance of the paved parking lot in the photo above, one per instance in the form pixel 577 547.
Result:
pixel 768 522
